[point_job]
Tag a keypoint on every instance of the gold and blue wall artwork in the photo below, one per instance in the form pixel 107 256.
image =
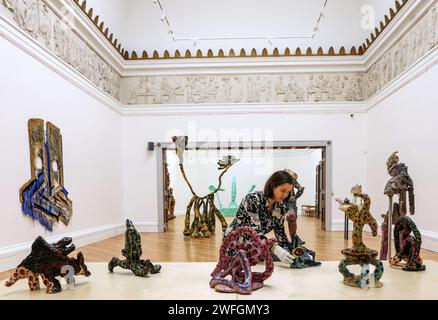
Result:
pixel 44 197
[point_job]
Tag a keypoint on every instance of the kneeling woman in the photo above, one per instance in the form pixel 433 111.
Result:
pixel 266 210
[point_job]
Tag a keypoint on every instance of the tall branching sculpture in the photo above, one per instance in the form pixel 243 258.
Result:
pixel 400 184
pixel 205 211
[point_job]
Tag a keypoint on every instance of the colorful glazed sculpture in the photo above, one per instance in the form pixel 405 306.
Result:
pixel 384 243
pixel 132 252
pixel 399 184
pixel 307 258
pixel 236 258
pixel 232 208
pixel 407 240
pixel 49 261
pixel 359 253
pixel 204 209
pixel 169 198
pixel 44 197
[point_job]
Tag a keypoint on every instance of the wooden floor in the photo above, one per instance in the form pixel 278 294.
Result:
pixel 172 246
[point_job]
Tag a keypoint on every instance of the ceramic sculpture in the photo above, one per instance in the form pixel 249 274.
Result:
pixel 232 208
pixel 132 253
pixel 401 185
pixel 44 197
pixel 49 261
pixel 407 240
pixel 236 257
pixel 204 209
pixel 359 254
pixel 307 258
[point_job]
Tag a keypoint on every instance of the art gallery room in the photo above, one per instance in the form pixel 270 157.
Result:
pixel 233 150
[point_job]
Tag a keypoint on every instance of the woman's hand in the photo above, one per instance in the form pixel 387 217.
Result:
pixel 283 254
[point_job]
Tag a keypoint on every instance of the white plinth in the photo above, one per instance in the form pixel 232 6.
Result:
pixel 189 281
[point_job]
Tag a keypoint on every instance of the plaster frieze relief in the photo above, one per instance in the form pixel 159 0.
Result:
pixel 404 54
pixel 194 89
pixel 37 19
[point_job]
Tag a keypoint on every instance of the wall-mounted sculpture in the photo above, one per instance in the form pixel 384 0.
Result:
pixel 359 253
pixel 44 197
pixel 407 240
pixel 49 261
pixel 236 258
pixel 132 252
pixel 400 184
pixel 204 222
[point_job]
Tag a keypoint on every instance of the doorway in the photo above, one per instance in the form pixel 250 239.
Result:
pixel 320 186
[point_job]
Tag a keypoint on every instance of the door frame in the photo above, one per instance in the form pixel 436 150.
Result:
pixel 162 147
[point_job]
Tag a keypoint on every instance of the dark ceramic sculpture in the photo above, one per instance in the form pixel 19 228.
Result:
pixel 132 252
pixel 49 261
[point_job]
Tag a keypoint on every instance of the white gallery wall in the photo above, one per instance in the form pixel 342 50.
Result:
pixel 407 122
pixel 346 134
pixel 201 168
pixel 91 135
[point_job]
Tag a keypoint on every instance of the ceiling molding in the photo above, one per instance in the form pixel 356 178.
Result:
pixel 21 39
pixel 428 61
pixel 407 18
pixel 85 28
pixel 243 65
pixel 359 50
pixel 246 108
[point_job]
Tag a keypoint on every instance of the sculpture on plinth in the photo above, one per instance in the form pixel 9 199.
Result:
pixel 49 261
pixel 204 209
pixel 359 254
pixel 400 184
pixel 132 252
pixel 237 256
pixel 407 240
pixel 307 258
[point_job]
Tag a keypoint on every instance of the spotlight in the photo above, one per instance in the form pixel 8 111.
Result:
pixel 163 17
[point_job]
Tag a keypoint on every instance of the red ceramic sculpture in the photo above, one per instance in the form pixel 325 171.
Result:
pixel 236 259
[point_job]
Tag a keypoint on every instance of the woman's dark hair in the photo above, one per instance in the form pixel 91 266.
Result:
pixel 277 179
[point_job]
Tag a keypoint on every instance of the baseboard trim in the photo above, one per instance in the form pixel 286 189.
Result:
pixel 180 213
pixel 146 226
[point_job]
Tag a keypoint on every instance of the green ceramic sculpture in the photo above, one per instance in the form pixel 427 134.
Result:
pixel 132 253
pixel 232 208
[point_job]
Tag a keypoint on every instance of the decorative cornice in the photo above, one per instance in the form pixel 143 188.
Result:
pixel 410 48
pixel 420 21
pixel 52 31
pixel 11 32
pixel 236 53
